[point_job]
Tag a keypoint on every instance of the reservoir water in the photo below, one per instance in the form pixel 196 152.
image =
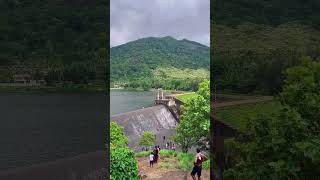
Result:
pixel 38 128
pixel 122 101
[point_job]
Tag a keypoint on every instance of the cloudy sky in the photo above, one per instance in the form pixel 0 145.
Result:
pixel 134 19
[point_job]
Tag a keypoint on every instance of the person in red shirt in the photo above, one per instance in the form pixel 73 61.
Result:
pixel 197 165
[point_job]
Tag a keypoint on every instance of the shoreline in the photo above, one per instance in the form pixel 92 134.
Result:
pixel 53 89
pixel 92 164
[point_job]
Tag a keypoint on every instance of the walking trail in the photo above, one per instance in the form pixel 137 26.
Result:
pixel 160 172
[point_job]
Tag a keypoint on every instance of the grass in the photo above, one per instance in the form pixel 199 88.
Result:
pixel 142 154
pixel 185 98
pixel 239 116
pixel 174 159
pixel 184 74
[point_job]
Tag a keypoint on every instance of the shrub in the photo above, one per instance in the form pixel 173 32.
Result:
pixel 122 161
pixel 117 137
pixel 148 139
pixel 123 164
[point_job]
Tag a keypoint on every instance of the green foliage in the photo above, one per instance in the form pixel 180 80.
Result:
pixel 153 62
pixel 194 123
pixel 251 57
pixel 148 139
pixel 301 92
pixel 117 137
pixel 185 161
pixel 286 144
pixel 51 31
pixel 271 12
pixel 168 153
pixel 122 161
pixel 186 97
pixel 181 79
pixel 239 116
pixel 123 164
pixel 142 154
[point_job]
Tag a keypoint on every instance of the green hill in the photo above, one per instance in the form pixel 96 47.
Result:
pixel 253 41
pixel 151 62
pixel 66 38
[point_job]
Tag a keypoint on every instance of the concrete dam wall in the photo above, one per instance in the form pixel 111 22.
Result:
pixel 157 119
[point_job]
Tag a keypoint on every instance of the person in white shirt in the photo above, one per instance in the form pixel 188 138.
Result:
pixel 151 158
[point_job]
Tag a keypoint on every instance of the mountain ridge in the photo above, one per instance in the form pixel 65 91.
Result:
pixel 139 59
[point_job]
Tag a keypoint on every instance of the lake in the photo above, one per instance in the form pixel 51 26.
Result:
pixel 37 128
pixel 122 101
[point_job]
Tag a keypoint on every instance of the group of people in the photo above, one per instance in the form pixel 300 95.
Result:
pixel 169 144
pixel 154 156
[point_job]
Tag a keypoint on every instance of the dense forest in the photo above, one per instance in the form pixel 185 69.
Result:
pixel 254 41
pixel 160 63
pixel 270 47
pixel 66 37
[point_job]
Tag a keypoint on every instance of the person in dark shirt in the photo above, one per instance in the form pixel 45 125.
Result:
pixel 155 153
pixel 197 164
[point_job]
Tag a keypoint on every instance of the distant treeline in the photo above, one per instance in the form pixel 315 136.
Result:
pixel 169 78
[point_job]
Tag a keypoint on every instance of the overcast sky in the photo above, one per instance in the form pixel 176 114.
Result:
pixel 134 19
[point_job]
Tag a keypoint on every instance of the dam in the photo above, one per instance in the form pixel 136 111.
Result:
pixel 157 119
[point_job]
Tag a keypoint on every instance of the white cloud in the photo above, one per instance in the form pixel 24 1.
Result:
pixel 131 20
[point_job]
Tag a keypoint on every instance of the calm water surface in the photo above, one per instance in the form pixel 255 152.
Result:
pixel 37 128
pixel 122 101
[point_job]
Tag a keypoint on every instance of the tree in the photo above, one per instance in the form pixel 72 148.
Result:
pixel 148 139
pixel 117 137
pixel 286 145
pixel 122 162
pixel 194 123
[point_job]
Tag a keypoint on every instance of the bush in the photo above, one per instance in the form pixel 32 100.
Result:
pixel 123 164
pixel 185 161
pixel 206 164
pixel 117 137
pixel 122 161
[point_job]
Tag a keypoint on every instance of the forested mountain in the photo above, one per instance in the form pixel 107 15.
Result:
pixel 253 41
pixel 268 12
pixel 148 60
pixel 67 36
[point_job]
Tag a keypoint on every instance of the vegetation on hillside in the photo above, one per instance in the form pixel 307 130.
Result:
pixel 255 41
pixel 269 12
pixel 193 129
pixel 159 63
pixel 239 116
pixel 175 159
pixel 64 39
pixel 284 145
pixel 122 162
pixel 147 139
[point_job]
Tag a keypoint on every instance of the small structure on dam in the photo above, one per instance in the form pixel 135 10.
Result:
pixel 157 119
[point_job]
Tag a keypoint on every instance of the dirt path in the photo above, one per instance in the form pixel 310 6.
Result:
pixel 160 173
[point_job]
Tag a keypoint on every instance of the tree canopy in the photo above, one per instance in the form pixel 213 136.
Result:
pixel 285 145
pixel 194 125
